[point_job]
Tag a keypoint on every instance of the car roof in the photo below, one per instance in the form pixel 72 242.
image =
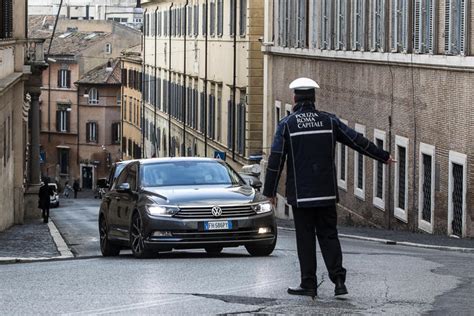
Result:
pixel 169 159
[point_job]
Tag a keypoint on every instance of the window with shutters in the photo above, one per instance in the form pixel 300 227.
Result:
pixel 124 108
pixel 212 20
pixel 196 20
pixel 204 19
pixel 326 29
pixel 292 23
pixel 219 113
pixel 159 23
pixel 6 19
pixel 62 119
pixel 399 26
pixel 378 13
pixel 232 24
pixel 457 194
pixel 342 19
pixel 64 78
pixel 379 172
pixel 202 113
pixel 190 20
pixel 220 18
pixel 166 23
pixel 359 168
pixel 426 187
pixel 211 115
pixel 241 123
pixel 91 132
pixel 400 199
pixel 342 164
pixel 93 96
pixel 282 22
pixel 63 160
pixel 230 124
pixel 358 39
pixel 456 27
pixel 243 18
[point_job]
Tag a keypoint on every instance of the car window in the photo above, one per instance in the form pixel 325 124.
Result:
pixel 187 173
pixel 132 177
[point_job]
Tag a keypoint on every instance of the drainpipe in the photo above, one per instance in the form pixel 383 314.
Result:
pixel 122 88
pixel 234 81
pixel 169 80
pixel 154 89
pixel 142 116
pixel 205 78
pixel 184 70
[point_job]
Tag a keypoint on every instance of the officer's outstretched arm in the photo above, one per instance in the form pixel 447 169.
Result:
pixel 358 142
pixel 276 161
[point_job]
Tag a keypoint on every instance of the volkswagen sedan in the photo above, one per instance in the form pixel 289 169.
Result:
pixel 183 203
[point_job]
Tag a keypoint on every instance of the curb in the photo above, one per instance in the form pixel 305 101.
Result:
pixel 401 243
pixel 61 245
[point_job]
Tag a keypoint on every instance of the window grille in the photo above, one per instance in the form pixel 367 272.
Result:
pixel 456 19
pixel 6 19
pixel 379 175
pixel 426 211
pixel 399 25
pixel 378 25
pixel 326 24
pixel 358 25
pixel 342 19
pixel 401 177
pixel 457 199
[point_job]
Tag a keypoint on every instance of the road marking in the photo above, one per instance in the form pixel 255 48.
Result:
pixel 59 241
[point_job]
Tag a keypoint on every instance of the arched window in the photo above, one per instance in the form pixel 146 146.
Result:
pixel 93 96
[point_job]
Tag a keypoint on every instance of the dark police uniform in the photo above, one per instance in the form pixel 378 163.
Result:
pixel 307 139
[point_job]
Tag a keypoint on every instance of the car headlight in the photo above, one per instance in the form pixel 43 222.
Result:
pixel 263 208
pixel 162 210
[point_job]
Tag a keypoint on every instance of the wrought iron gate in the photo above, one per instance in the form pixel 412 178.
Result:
pixel 457 199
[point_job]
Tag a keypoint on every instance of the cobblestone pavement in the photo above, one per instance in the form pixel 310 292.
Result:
pixel 397 235
pixel 30 240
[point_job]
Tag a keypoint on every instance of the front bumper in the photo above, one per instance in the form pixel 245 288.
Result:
pixel 190 233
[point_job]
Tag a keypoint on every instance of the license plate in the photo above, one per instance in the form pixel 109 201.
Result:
pixel 222 225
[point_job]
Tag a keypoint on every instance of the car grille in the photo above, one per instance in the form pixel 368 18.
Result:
pixel 245 234
pixel 205 212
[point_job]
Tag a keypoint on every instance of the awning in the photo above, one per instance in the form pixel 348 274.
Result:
pixel 63 147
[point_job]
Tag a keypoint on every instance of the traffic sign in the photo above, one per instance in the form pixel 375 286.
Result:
pixel 220 155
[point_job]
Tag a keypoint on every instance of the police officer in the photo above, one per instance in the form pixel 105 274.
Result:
pixel 307 138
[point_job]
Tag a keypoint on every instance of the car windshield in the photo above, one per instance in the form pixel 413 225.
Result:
pixel 177 173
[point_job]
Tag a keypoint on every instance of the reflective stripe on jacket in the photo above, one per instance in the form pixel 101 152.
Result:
pixel 307 138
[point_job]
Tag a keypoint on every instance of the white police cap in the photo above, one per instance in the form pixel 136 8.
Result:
pixel 304 84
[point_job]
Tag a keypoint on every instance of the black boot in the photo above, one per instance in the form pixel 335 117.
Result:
pixel 303 291
pixel 340 288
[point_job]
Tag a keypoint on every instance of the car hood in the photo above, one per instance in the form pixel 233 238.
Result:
pixel 203 195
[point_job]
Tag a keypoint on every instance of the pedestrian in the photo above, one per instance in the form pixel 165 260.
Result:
pixel 67 189
pixel 75 187
pixel 307 138
pixel 45 193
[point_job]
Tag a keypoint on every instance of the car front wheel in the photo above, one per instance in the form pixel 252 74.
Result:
pixel 261 250
pixel 137 243
pixel 107 248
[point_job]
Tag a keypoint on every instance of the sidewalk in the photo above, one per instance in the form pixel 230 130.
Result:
pixel 398 237
pixel 32 241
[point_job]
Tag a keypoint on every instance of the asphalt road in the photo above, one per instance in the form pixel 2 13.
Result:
pixel 382 279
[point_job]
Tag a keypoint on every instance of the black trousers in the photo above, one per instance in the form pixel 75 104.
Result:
pixel 324 221
pixel 45 213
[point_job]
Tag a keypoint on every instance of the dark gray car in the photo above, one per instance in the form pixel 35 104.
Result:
pixel 181 203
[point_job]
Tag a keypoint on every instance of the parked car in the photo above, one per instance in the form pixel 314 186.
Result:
pixel 54 199
pixel 182 203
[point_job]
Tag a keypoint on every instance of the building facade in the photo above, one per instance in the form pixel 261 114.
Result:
pixel 100 101
pixel 126 12
pixel 399 72
pixel 78 48
pixel 208 97
pixel 132 138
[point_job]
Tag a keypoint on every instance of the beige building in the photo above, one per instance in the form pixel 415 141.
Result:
pixel 127 12
pixel 132 138
pixel 100 102
pixel 20 60
pixel 399 72
pixel 191 72
pixel 78 47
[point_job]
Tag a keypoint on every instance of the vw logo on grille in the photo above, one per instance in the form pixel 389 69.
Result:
pixel 216 211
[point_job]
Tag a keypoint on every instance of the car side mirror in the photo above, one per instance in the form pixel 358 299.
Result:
pixel 124 188
pixel 255 183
